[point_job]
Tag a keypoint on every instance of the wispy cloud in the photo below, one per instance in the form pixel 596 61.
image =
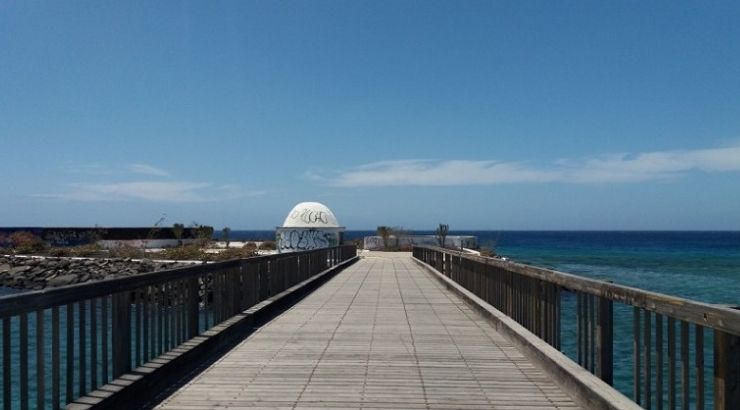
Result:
pixel 146 169
pixel 151 191
pixel 160 186
pixel 620 168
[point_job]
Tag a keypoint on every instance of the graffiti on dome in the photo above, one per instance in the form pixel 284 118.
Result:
pixel 305 239
pixel 310 216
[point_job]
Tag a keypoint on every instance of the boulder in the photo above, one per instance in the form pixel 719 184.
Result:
pixel 16 270
pixel 62 280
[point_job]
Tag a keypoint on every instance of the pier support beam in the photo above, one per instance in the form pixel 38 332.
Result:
pixel 605 341
pixel 726 370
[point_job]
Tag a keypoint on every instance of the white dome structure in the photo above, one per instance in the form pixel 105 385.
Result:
pixel 309 225
pixel 310 215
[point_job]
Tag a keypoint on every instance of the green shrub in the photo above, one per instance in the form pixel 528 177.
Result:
pixel 188 252
pixel 127 252
pixel 250 245
pixel 86 251
pixel 233 253
pixel 25 242
pixel 60 252
pixel 487 252
pixel 268 246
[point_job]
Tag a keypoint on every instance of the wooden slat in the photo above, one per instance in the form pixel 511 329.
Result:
pixel 582 339
pixel 166 307
pixel 699 358
pixel 93 344
pixel 104 329
pixel 70 367
pixel 726 374
pixel 193 307
pixel 161 320
pixel 591 332
pixel 685 387
pixel 40 356
pixel 604 341
pixel 55 359
pixel 23 360
pixel 659 362
pixel 82 344
pixel 7 393
pixel 154 313
pixel 647 353
pixel 558 316
pixel 671 363
pixel 138 327
pixel 146 343
pixel 178 313
pixel 636 356
pixel 206 306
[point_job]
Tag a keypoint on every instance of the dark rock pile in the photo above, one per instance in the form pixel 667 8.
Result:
pixel 38 273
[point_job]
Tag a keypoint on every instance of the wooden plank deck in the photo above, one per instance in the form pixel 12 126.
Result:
pixel 381 334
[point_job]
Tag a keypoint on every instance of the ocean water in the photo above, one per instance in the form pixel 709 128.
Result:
pixel 703 266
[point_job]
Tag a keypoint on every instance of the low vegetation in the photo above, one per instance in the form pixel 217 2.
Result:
pixel 268 246
pixel 26 243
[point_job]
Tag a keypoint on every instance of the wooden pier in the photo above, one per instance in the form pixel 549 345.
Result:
pixel 381 334
pixel 323 328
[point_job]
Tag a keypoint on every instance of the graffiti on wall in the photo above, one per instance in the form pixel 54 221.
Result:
pixel 69 237
pixel 291 240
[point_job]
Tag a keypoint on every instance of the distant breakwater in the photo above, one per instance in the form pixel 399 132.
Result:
pixel 40 273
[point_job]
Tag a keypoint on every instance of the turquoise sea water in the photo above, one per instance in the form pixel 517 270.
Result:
pixel 702 266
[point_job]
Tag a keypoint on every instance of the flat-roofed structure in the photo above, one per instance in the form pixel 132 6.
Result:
pixel 309 225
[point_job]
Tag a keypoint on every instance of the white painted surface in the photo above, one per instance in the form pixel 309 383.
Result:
pixel 453 241
pixel 310 215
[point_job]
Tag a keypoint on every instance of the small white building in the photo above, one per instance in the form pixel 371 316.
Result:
pixel 309 225
pixel 375 243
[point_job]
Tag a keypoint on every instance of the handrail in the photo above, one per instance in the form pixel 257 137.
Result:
pixel 98 331
pixel 719 317
pixel 30 301
pixel 536 298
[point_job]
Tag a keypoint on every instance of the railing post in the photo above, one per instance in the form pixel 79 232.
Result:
pixel 605 341
pixel 122 340
pixel 726 370
pixel 193 306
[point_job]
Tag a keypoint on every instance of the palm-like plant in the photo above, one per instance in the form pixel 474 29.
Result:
pixel 385 232
pixel 178 230
pixel 442 231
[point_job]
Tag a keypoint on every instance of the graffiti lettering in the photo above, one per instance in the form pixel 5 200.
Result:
pixel 302 240
pixel 68 237
pixel 310 216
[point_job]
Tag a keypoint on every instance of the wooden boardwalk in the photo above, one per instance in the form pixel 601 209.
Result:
pixel 381 334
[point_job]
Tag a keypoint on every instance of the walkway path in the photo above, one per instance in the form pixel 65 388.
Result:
pixel 381 334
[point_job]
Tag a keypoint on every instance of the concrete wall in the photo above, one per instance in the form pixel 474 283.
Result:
pixel 144 243
pixel 375 243
pixel 304 239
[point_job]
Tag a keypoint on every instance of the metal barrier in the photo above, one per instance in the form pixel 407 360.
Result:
pixel 83 336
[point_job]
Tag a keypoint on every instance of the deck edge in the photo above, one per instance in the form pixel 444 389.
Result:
pixel 586 389
pixel 166 370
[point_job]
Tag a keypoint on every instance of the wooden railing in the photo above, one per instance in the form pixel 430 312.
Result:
pixel 666 332
pixel 83 336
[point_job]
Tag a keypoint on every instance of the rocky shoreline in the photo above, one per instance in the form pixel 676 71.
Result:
pixel 39 273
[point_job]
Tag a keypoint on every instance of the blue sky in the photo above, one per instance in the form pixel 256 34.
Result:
pixel 483 115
